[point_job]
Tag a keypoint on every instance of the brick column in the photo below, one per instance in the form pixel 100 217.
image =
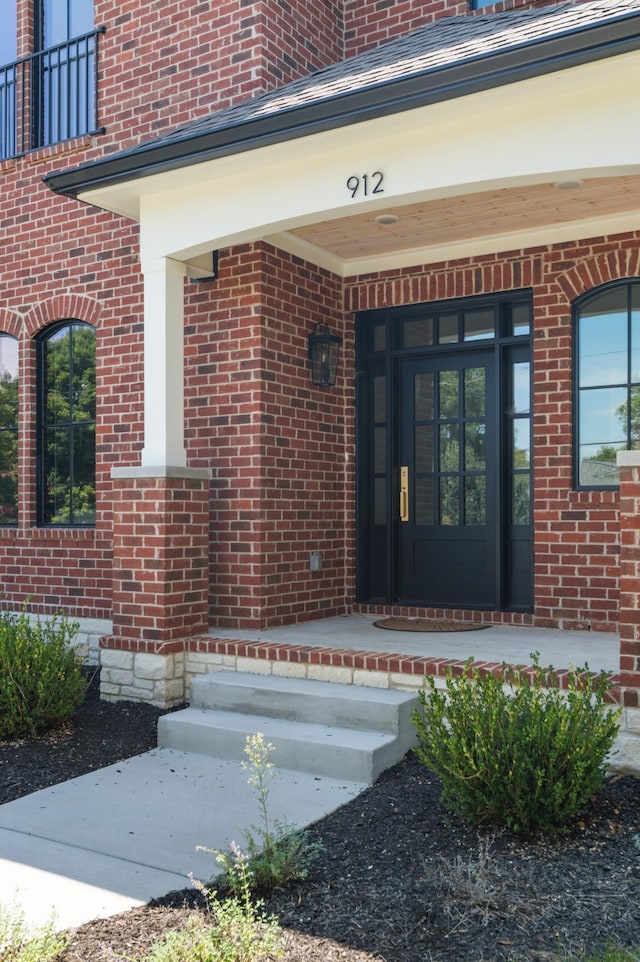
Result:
pixel 629 741
pixel 160 581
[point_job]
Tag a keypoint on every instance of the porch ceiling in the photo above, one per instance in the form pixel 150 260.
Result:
pixel 446 222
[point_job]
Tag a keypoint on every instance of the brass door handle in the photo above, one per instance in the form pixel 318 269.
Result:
pixel 404 493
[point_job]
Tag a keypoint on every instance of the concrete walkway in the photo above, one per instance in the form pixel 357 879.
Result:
pixel 107 841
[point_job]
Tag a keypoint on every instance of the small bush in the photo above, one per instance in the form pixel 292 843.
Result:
pixel 235 930
pixel 41 678
pixel 20 943
pixel 515 750
pixel 277 853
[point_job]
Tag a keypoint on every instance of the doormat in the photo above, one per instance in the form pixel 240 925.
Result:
pixel 427 624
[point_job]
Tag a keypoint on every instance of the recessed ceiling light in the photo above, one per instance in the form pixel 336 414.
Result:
pixel 568 184
pixel 387 219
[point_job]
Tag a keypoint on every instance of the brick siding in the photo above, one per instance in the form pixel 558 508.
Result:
pixel 282 451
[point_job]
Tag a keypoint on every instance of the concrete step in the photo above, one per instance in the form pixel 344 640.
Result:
pixel 299 699
pixel 341 731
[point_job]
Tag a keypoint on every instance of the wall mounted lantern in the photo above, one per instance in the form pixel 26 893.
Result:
pixel 324 349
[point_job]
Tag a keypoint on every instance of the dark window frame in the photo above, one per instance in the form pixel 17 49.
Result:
pixel 577 308
pixel 64 80
pixel 50 96
pixel 13 429
pixel 43 427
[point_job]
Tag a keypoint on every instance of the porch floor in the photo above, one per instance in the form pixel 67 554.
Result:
pixel 495 643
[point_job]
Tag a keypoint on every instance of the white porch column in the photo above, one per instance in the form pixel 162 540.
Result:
pixel 164 363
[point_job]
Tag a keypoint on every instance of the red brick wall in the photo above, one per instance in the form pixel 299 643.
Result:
pixel 161 64
pixel 168 62
pixel 368 23
pixel 160 577
pixel 276 443
pixel 282 451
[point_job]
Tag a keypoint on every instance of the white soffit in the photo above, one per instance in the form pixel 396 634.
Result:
pixel 576 124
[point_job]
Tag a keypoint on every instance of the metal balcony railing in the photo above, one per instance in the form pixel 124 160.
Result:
pixel 49 96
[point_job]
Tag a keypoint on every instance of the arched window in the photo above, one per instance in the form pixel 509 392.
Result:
pixel 67 424
pixel 607 381
pixel 8 430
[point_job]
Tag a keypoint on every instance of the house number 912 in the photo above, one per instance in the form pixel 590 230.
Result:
pixel 366 185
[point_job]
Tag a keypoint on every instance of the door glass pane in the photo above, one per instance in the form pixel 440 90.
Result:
pixel 448 331
pixel 474 392
pixel 521 447
pixel 448 394
pixel 423 396
pixel 380 501
pixel 449 448
pixel 424 443
pixel 418 333
pixel 9 34
pixel 424 501
pixel 80 17
pixel 475 457
pixel 521 504
pixel 380 450
pixel 449 500
pixel 379 399
pixel 520 319
pixel 475 499
pixel 521 373
pixel 478 325
pixel 64 19
pixel 603 340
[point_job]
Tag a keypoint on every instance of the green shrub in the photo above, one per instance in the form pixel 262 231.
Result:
pixel 41 678
pixel 20 943
pixel 277 853
pixel 235 929
pixel 515 749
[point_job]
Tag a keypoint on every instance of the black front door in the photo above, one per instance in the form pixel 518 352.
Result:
pixel 444 454
pixel 447 481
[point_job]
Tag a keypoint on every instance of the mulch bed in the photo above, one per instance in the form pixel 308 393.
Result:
pixel 400 880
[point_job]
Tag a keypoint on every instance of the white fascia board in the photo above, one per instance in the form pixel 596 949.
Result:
pixel 573 123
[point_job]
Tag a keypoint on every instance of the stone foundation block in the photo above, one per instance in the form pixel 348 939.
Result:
pixel 370 679
pixel 627 757
pixel 154 667
pixel 116 659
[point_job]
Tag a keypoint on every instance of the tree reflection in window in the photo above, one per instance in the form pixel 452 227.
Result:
pixel 8 430
pixel 67 429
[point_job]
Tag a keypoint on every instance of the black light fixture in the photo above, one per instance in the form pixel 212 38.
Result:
pixel 324 348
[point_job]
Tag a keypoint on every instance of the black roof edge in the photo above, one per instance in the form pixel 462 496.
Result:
pixel 524 62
